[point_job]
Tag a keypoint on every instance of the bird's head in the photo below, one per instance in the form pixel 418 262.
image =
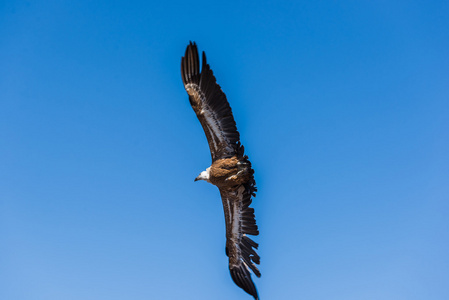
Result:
pixel 203 175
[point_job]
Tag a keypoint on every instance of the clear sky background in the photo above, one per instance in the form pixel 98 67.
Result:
pixel 343 108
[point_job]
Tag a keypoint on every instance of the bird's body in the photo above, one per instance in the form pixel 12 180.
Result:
pixel 230 171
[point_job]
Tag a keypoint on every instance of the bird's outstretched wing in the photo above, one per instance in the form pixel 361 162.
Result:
pixel 210 105
pixel 240 221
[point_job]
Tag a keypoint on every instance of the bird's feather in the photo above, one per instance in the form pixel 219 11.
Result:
pixel 210 105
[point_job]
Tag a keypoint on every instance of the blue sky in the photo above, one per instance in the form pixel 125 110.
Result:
pixel 342 107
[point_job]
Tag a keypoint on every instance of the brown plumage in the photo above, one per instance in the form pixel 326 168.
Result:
pixel 230 171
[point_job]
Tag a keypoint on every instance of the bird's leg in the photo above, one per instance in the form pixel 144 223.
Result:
pixel 242 173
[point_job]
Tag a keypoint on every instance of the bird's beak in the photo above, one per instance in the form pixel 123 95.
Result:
pixel 196 179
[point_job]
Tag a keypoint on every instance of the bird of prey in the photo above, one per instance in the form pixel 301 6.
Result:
pixel 230 171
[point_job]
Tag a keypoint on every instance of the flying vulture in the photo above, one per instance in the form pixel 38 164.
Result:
pixel 230 171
